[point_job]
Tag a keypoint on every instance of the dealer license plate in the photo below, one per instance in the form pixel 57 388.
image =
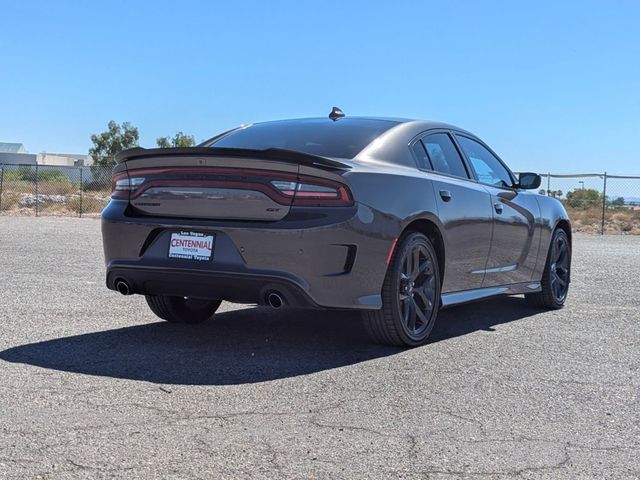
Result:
pixel 191 246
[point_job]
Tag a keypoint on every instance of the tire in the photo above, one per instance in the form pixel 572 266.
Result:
pixel 410 295
pixel 182 309
pixel 556 276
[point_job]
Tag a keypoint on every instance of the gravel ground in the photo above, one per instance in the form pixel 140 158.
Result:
pixel 92 386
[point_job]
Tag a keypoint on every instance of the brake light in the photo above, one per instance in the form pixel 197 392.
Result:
pixel 316 192
pixel 284 188
pixel 122 185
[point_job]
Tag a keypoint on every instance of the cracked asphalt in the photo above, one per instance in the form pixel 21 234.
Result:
pixel 93 386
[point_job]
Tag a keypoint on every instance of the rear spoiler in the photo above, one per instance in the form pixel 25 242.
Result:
pixel 276 154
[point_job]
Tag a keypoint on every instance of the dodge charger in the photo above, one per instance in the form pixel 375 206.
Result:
pixel 393 218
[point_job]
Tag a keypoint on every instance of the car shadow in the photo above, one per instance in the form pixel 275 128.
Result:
pixel 243 346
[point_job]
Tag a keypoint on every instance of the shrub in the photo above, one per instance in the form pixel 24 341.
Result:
pixel 57 187
pixel 584 198
pixel 10 201
pixel 27 173
pixel 52 176
pixel 88 204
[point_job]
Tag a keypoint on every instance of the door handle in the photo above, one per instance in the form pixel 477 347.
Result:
pixel 498 207
pixel 445 195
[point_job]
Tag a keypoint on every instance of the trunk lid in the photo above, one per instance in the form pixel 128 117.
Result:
pixel 221 183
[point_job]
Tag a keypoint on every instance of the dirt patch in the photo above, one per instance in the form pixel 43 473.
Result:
pixel 617 222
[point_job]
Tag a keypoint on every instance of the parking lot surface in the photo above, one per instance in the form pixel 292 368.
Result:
pixel 92 385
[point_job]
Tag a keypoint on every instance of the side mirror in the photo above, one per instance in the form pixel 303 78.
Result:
pixel 529 181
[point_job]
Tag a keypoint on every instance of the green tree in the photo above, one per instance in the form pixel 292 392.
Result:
pixel 178 140
pixel 105 147
pixel 116 139
pixel 618 202
pixel 552 193
pixel 584 198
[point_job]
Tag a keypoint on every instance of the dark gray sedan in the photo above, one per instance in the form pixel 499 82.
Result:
pixel 394 218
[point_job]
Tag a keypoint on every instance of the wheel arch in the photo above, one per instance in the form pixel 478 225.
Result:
pixel 432 232
pixel 565 225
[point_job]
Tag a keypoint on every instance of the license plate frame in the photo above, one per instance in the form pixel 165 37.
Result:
pixel 189 245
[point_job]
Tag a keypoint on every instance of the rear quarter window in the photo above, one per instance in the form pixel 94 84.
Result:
pixel 420 154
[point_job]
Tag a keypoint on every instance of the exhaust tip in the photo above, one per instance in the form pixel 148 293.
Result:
pixel 275 300
pixel 123 287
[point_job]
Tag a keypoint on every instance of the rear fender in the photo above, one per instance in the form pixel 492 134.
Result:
pixel 552 212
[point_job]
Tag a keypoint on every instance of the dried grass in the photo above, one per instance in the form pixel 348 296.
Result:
pixel 616 221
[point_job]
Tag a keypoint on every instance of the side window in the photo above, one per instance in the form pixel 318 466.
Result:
pixel 421 156
pixel 488 168
pixel 443 155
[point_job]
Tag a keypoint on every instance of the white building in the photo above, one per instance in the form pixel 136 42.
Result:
pixel 15 153
pixel 64 159
pixel 12 153
pixel 10 147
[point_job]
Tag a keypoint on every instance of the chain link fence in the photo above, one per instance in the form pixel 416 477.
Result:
pixel 596 202
pixel 41 190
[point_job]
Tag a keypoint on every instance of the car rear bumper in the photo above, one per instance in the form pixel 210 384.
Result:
pixel 335 261
pixel 231 286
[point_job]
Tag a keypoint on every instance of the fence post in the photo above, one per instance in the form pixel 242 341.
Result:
pixel 37 193
pixel 1 180
pixel 549 183
pixel 604 202
pixel 81 189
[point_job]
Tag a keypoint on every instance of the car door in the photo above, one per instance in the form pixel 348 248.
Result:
pixel 514 246
pixel 464 208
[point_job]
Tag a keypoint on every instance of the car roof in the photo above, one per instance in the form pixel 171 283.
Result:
pixel 361 119
pixel 391 144
pixel 410 124
pixel 349 119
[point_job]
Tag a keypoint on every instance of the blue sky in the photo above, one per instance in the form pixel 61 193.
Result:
pixel 551 86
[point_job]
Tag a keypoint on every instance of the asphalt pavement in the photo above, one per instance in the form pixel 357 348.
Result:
pixel 92 385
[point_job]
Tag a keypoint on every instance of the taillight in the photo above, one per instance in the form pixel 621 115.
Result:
pixel 314 192
pixel 284 188
pixel 122 185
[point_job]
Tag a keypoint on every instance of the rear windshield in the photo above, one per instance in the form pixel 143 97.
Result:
pixel 344 138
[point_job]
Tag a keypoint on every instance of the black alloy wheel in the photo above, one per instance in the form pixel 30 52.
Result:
pixel 560 268
pixel 410 294
pixel 416 290
pixel 556 276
